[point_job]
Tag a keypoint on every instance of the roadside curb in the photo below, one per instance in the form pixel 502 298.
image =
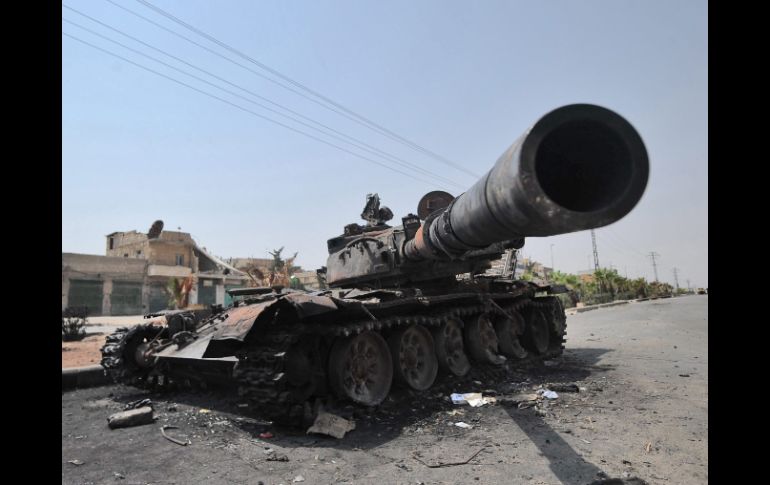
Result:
pixel 81 377
pixel 572 311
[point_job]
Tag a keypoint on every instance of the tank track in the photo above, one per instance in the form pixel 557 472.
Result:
pixel 261 371
pixel 113 351
pixel 262 380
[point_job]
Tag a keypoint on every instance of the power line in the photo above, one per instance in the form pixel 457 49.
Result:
pixel 622 251
pixel 621 244
pixel 653 255
pixel 624 242
pixel 267 68
pixel 335 107
pixel 357 143
pixel 242 108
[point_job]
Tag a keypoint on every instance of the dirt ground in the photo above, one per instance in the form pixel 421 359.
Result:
pixel 640 416
pixel 83 352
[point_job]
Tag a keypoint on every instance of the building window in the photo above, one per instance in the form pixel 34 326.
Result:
pixel 139 253
pixel 125 255
pixel 180 259
pixel 112 243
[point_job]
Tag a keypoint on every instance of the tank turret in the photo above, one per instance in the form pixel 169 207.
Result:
pixel 579 167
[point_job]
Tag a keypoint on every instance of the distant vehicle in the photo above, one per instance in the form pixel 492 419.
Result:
pixel 702 291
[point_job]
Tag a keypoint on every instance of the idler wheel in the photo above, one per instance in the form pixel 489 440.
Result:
pixel 414 357
pixel 137 354
pixel 481 340
pixel 536 333
pixel 448 340
pixel 361 369
pixel 508 331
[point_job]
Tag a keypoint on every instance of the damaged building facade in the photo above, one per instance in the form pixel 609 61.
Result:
pixel 133 276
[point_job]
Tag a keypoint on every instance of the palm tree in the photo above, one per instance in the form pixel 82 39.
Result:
pixel 179 291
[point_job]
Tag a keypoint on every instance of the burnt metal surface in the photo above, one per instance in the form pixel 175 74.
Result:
pixel 579 167
pixel 396 297
pixel 433 201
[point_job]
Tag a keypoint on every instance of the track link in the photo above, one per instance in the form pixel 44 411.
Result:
pixel 261 370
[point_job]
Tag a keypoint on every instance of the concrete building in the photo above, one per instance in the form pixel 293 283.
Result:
pixel 132 278
pixel 309 279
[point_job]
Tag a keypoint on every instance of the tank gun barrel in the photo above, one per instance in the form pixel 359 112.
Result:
pixel 579 167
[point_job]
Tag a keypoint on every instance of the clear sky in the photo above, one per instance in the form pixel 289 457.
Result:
pixel 462 79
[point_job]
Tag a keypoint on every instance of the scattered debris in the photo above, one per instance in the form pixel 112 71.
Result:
pixel 138 404
pixel 173 440
pixel 277 457
pixel 266 435
pixel 298 478
pixel 463 425
pixel 134 417
pixel 204 411
pixel 331 425
pixel 565 388
pixel 684 375
pixel 548 394
pixel 474 399
pixel 441 465
pixel 171 408
pixel 119 476
pixel 648 447
pixel 76 462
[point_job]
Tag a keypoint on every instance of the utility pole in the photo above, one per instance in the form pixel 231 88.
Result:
pixel 653 254
pixel 689 288
pixel 553 268
pixel 596 252
pixel 676 278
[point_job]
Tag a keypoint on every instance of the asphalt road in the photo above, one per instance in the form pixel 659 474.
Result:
pixel 642 412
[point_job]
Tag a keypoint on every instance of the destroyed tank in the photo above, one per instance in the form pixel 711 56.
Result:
pixel 408 304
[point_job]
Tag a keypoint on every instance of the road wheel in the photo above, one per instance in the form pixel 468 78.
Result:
pixel 414 357
pixel 536 333
pixel 361 368
pixel 509 330
pixel 450 351
pixel 481 340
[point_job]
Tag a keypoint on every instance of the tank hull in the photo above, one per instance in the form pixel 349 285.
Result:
pixel 279 350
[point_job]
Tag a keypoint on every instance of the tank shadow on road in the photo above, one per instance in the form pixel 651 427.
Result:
pixel 406 411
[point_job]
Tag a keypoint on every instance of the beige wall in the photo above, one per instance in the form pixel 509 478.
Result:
pixel 93 264
pixel 126 243
pixel 164 253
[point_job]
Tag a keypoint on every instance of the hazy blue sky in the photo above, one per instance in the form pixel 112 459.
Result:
pixel 463 79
